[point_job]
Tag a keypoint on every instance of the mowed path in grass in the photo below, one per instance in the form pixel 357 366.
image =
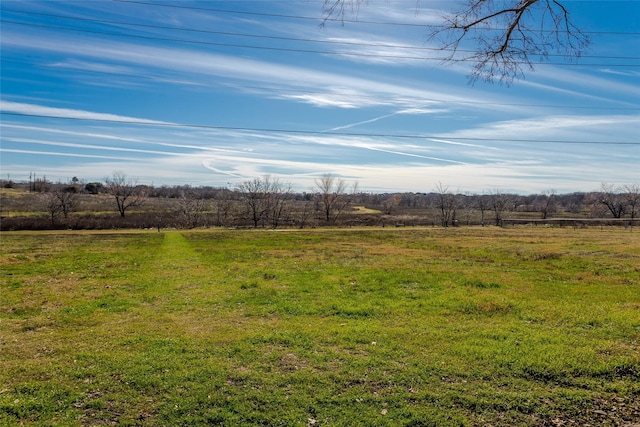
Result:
pixel 195 299
pixel 183 293
pixel 176 265
pixel 176 254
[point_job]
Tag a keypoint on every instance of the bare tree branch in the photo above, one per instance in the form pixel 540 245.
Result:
pixel 503 39
pixel 499 37
pixel 336 10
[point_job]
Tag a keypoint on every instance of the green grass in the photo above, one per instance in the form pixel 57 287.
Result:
pixel 404 327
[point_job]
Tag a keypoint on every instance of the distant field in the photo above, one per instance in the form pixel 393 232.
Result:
pixel 350 327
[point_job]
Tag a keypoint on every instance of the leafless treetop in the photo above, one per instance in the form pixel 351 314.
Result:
pixel 501 38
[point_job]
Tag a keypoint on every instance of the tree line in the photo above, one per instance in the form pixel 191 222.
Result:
pixel 269 202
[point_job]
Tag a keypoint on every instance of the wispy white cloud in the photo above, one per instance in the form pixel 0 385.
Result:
pixel 251 154
pixel 327 99
pixel 411 12
pixel 76 64
pixel 580 85
pixel 126 138
pixel 512 171
pixel 463 144
pixel 385 52
pixel 62 154
pixel 577 128
pixel 91 146
pixel 337 90
pixel 67 113
pixel 628 73
pixel 408 111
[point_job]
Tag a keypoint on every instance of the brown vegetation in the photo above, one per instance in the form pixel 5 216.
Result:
pixel 91 206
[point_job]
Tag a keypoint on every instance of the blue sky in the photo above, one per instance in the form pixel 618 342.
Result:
pixel 219 92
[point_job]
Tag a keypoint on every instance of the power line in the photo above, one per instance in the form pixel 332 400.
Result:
pixel 267 37
pixel 358 96
pixel 282 49
pixel 311 132
pixel 354 21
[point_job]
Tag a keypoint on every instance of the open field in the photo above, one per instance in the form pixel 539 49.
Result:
pixel 351 327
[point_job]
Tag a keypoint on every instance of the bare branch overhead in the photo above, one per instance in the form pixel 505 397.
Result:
pixel 499 36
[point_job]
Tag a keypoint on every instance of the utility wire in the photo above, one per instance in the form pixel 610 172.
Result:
pixel 427 102
pixel 366 55
pixel 261 36
pixel 311 132
pixel 354 21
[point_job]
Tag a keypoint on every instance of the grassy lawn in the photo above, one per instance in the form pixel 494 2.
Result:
pixel 353 327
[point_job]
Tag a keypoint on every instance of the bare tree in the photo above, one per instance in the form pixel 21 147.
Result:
pixel 279 197
pixel 391 203
pixel 546 203
pixel 332 196
pixel 610 197
pixel 499 202
pixel 126 192
pixel 501 38
pixel 254 195
pixel 593 201
pixel 467 204
pixel 506 35
pixel 60 200
pixel 631 194
pixel 223 207
pixel 447 203
pixel 52 206
pixel 482 202
pixel 304 213
pixel 265 199
pixel 192 207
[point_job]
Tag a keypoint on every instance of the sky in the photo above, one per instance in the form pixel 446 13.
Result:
pixel 215 93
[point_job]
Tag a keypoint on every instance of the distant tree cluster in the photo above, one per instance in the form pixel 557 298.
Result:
pixel 268 202
pixel 265 200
